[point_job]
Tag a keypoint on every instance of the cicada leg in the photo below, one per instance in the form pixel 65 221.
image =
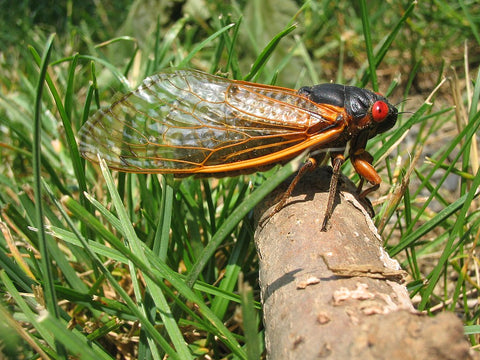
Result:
pixel 309 165
pixel 362 162
pixel 337 162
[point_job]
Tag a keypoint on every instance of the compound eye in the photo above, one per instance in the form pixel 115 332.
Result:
pixel 379 111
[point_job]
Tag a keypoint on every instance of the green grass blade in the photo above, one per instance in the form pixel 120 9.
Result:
pixel 389 41
pixel 449 246
pixel 267 51
pixel 202 44
pixel 428 226
pixel 368 44
pixel 152 331
pixel 78 345
pixel 250 321
pixel 47 266
pixel 167 40
pixel 156 293
pixel 25 308
pixel 162 233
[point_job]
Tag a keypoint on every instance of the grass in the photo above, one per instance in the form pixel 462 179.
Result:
pixel 107 265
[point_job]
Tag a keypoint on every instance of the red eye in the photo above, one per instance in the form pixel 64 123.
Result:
pixel 379 111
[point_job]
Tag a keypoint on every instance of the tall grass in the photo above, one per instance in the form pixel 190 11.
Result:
pixel 107 265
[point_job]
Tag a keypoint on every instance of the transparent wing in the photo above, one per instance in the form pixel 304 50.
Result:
pixel 186 121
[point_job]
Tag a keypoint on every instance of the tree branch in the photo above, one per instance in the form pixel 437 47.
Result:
pixel 338 294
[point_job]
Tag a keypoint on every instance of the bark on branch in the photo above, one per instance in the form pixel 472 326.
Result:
pixel 337 294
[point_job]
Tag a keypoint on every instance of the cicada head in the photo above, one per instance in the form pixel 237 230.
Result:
pixel 382 114
pixel 367 110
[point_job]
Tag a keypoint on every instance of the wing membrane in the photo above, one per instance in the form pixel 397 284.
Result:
pixel 186 121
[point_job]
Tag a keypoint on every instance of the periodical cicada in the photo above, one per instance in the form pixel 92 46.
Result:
pixel 186 122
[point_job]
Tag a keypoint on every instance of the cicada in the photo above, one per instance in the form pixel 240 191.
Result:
pixel 187 122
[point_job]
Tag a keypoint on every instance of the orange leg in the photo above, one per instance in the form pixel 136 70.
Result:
pixel 362 162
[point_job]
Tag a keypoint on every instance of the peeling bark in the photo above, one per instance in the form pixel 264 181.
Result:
pixel 337 294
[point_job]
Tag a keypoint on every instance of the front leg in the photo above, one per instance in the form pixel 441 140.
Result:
pixel 362 162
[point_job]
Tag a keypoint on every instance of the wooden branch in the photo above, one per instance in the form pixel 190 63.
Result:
pixel 337 294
